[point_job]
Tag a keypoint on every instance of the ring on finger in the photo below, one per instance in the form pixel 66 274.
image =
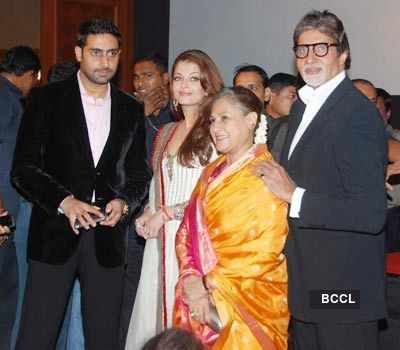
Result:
pixel 194 313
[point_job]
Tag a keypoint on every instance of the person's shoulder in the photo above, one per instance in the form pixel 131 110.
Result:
pixel 56 89
pixel 125 97
pixel 61 84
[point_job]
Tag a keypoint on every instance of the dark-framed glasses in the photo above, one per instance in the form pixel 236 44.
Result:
pixel 98 53
pixel 319 49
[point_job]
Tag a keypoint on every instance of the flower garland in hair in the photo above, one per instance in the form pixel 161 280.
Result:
pixel 260 137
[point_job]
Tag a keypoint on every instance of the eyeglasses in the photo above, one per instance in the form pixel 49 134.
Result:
pixel 98 53
pixel 319 49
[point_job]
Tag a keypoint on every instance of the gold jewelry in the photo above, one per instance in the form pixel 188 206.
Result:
pixel 125 206
pixel 193 313
pixel 170 166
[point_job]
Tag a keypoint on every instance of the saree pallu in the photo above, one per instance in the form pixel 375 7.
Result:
pixel 233 236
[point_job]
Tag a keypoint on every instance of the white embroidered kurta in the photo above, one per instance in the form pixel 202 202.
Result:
pixel 145 320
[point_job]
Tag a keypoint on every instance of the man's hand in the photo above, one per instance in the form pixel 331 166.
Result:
pixel 155 100
pixel 79 212
pixel 114 211
pixel 276 179
pixel 4 230
pixel 392 169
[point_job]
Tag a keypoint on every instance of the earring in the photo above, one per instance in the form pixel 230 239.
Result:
pixel 175 104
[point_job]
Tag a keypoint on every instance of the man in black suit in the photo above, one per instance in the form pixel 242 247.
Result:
pixel 80 149
pixel 335 156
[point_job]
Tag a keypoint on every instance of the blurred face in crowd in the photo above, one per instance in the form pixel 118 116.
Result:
pixel 147 77
pixel 253 82
pixel 98 58
pixel 186 84
pixel 27 81
pixel 315 70
pixel 281 101
pixel 231 130
pixel 380 103
pixel 367 90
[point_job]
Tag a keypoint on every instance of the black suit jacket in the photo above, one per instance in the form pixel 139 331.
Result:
pixel 53 160
pixel 337 243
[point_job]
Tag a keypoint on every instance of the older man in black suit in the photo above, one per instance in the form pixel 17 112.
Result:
pixel 335 156
pixel 80 148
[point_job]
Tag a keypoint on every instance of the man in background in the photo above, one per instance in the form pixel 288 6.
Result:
pixel 282 94
pixel 151 86
pixel 18 74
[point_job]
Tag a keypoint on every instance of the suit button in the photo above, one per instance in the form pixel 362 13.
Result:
pixel 98 173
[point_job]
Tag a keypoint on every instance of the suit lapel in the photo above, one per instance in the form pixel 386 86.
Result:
pixel 321 117
pixel 294 122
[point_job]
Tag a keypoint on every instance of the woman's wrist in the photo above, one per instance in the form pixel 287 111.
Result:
pixel 166 215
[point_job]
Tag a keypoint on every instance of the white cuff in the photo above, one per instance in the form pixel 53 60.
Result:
pixel 59 209
pixel 295 206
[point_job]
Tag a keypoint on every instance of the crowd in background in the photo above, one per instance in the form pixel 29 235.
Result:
pixel 188 215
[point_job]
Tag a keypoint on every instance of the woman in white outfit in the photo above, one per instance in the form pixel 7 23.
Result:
pixel 181 151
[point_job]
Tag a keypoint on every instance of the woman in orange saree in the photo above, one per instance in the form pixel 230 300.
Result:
pixel 232 288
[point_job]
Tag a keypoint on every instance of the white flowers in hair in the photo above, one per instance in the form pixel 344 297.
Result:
pixel 260 137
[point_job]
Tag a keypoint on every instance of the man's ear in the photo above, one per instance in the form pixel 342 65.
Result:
pixel 165 78
pixel 78 53
pixel 343 57
pixel 267 94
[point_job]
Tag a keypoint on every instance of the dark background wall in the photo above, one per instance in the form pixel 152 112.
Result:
pixel 151 23
pixel 19 23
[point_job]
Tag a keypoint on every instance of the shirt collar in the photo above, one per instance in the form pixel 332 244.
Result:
pixel 98 101
pixel 308 94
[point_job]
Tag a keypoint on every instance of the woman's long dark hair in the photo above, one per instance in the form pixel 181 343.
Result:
pixel 197 144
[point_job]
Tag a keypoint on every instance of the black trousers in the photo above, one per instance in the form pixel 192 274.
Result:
pixel 132 276
pixel 8 292
pixel 331 336
pixel 389 337
pixel 47 292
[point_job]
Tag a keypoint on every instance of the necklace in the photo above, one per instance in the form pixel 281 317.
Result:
pixel 170 166
pixel 169 157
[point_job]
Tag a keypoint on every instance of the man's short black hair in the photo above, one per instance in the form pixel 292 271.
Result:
pixel 387 98
pixel 252 68
pixel 62 71
pixel 20 59
pixel 157 59
pixel 97 26
pixel 363 82
pixel 280 81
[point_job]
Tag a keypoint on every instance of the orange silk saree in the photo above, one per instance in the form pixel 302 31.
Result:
pixel 233 235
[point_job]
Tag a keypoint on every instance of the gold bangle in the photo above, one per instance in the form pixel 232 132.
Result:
pixel 125 206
